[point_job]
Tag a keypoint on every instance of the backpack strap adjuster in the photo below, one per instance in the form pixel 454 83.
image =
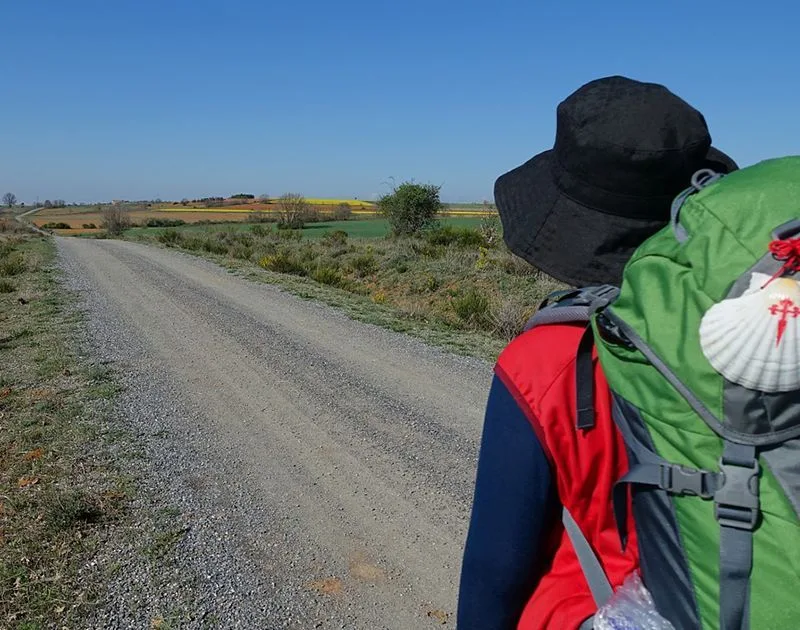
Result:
pixel 680 480
pixel 737 499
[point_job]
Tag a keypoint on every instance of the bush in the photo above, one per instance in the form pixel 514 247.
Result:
pixel 7 287
pixel 288 234
pixel 492 230
pixel 167 223
pixel 214 246
pixel 427 250
pixel 260 230
pixel 337 237
pixel 192 243
pixel 449 235
pixel 328 275
pixel 283 262
pixel 293 211
pixel 115 220
pixel 410 207
pixel 242 252
pixel 509 317
pixel 472 307
pixel 170 237
pixel 89 226
pixel 13 265
pixel 342 212
pixel 364 265
pixel 57 226
pixel 259 216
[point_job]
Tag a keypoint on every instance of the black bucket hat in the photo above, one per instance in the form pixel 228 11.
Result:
pixel 623 151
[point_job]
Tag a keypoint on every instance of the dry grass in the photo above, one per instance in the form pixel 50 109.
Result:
pixel 57 485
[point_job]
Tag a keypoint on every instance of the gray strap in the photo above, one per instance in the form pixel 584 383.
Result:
pixel 659 473
pixel 736 562
pixel 737 511
pixel 577 305
pixel 592 570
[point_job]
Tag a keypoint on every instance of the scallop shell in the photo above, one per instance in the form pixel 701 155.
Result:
pixel 754 340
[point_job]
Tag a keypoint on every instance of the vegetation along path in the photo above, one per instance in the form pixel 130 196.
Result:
pixel 320 468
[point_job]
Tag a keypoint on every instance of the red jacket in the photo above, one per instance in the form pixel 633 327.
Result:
pixel 538 368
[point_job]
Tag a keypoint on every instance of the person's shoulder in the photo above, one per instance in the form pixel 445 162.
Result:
pixel 537 358
pixel 551 343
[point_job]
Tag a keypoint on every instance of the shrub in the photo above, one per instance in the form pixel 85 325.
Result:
pixel 168 223
pixel 509 317
pixel 364 265
pixel 283 262
pixel 170 237
pixel 89 226
pixel 288 234
pixel 427 250
pixel 449 235
pixel 115 220
pixel 410 207
pixel 472 307
pixel 337 237
pixel 260 230
pixel 342 212
pixel 13 265
pixel 328 275
pixel 492 230
pixel 192 243
pixel 7 287
pixel 57 226
pixel 214 246
pixel 242 252
pixel 293 211
pixel 259 216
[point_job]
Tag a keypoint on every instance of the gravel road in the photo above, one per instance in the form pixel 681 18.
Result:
pixel 320 469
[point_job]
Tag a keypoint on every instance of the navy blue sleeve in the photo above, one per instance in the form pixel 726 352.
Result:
pixel 513 504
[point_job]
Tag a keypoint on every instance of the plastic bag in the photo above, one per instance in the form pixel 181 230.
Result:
pixel 631 608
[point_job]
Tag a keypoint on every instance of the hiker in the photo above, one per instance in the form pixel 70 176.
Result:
pixel 624 150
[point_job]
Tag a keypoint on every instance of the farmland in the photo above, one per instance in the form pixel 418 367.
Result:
pixel 89 219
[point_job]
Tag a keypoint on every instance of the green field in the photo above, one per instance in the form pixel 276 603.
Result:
pixel 362 228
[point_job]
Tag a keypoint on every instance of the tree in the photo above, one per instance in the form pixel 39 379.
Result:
pixel 293 211
pixel 410 207
pixel 48 203
pixel 10 200
pixel 115 220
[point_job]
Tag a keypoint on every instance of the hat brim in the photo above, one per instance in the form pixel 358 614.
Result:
pixel 566 240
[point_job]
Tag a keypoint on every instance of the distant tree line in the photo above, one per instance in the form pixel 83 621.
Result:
pixel 56 203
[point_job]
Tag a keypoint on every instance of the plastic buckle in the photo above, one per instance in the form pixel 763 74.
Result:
pixel 687 481
pixel 737 497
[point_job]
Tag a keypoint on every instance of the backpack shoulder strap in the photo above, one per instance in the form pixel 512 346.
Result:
pixel 573 306
pixel 577 305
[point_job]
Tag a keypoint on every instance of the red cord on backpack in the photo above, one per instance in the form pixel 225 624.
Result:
pixel 788 252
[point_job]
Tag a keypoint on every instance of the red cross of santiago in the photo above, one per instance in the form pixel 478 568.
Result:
pixel 786 308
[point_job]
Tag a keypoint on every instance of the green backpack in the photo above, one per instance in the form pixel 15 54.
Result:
pixel 701 350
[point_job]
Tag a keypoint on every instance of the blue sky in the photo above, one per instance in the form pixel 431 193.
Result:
pixel 171 98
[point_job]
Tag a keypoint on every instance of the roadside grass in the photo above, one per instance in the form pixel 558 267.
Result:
pixel 456 286
pixel 59 489
pixel 355 228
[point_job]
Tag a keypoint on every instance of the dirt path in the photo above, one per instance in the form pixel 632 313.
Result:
pixel 337 457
